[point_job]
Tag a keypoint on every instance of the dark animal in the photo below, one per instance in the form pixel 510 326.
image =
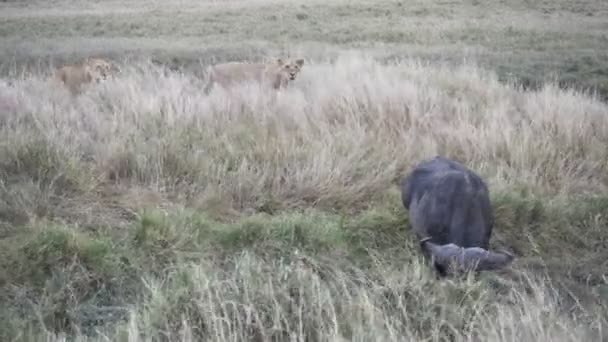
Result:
pixel 448 204
pixel 450 258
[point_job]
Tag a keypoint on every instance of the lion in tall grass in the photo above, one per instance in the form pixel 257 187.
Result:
pixel 91 70
pixel 276 74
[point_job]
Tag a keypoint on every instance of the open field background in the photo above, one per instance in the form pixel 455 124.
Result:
pixel 531 41
pixel 145 210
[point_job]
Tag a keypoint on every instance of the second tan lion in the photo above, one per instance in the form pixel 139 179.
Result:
pixel 275 74
pixel 74 77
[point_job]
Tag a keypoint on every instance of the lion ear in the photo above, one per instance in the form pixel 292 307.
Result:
pixel 280 61
pixel 300 62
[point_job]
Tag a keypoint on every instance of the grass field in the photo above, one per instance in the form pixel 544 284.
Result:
pixel 531 41
pixel 145 210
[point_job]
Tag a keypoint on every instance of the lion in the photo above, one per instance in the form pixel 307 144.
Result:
pixel 275 74
pixel 74 77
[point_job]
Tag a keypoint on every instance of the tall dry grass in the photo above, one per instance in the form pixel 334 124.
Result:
pixel 342 133
pixel 338 139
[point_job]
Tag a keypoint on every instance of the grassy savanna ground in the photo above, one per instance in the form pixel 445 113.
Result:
pixel 146 210
pixel 531 41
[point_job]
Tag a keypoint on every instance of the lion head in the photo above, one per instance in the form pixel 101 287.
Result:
pixel 290 68
pixel 98 68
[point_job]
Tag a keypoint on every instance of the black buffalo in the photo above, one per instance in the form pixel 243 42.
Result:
pixel 450 204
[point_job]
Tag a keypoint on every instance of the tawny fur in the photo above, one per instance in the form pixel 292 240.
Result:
pixel 75 76
pixel 275 74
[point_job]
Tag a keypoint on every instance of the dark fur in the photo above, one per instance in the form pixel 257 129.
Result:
pixel 448 203
pixel 451 257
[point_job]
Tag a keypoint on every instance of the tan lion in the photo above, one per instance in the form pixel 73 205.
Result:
pixel 74 77
pixel 275 74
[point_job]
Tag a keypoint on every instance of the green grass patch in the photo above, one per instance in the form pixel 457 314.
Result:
pixel 172 265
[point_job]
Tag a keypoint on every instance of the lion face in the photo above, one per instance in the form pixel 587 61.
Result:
pixel 289 68
pixel 99 69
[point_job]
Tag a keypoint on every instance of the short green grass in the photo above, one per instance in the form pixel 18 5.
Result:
pixel 185 271
pixel 144 210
